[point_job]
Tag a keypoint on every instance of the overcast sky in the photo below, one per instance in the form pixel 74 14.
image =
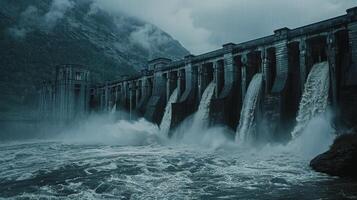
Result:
pixel 204 25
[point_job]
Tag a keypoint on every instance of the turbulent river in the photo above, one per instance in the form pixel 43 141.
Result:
pixel 80 165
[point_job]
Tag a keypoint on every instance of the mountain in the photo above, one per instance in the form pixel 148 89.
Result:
pixel 37 35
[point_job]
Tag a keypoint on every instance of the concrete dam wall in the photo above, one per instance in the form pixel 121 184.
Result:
pixel 283 62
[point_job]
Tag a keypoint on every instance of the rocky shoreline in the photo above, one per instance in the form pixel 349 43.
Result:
pixel 341 159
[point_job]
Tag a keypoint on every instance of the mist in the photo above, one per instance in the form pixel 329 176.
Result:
pixel 203 26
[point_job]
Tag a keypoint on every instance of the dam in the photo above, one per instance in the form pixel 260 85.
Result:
pixel 283 64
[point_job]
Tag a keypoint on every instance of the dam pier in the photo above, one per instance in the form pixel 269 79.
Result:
pixel 284 61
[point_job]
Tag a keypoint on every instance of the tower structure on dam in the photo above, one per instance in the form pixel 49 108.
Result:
pixel 284 59
pixel 68 96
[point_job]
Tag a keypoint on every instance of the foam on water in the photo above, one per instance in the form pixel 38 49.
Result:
pixel 159 172
pixel 246 126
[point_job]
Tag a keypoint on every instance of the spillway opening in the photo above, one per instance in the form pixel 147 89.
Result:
pixel 126 102
pixel 219 76
pixel 171 83
pixel 342 60
pixel 132 99
pixel 93 101
pixel 317 49
pixel 78 99
pixel 149 87
pixel 120 96
pixel 254 64
pixel 239 64
pixel 206 76
pixel 113 97
pixel 293 88
pixel 139 94
pixel 181 81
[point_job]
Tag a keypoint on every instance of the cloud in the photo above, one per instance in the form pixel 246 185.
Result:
pixel 31 19
pixel 203 26
pixel 28 19
pixel 57 11
pixel 148 36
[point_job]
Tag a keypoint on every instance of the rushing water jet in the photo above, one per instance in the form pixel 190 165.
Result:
pixel 314 100
pixel 201 117
pixel 192 128
pixel 166 119
pixel 247 117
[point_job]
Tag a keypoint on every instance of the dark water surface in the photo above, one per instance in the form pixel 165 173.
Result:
pixel 56 170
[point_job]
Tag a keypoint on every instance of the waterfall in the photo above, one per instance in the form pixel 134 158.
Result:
pixel 201 117
pixel 193 129
pixel 166 119
pixel 114 109
pixel 247 122
pixel 314 100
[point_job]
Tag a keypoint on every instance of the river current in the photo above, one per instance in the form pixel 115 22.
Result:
pixel 101 162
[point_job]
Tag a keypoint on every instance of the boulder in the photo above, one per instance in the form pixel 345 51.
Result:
pixel 340 160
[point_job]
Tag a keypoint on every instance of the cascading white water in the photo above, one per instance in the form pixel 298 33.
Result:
pixel 114 109
pixel 166 119
pixel 247 121
pixel 194 130
pixel 202 115
pixel 314 100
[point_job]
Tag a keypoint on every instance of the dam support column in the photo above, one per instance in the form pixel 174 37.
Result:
pixel 305 62
pixel 188 88
pixel 131 99
pixel 145 95
pixel 171 84
pixel 332 50
pixel 348 85
pixel 244 60
pixel 218 67
pixel 201 80
pixel 273 105
pixel 106 97
pixel 265 70
pixel 157 102
pixel 138 93
pixel 181 82
pixel 224 109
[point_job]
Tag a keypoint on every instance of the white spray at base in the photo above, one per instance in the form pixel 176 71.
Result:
pixel 166 119
pixel 114 109
pixel 314 100
pixel 104 129
pixel 195 129
pixel 247 117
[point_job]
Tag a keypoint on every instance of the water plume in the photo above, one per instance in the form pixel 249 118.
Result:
pixel 314 100
pixel 247 124
pixel 166 119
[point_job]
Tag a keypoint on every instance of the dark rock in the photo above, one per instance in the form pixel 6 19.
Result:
pixel 341 159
